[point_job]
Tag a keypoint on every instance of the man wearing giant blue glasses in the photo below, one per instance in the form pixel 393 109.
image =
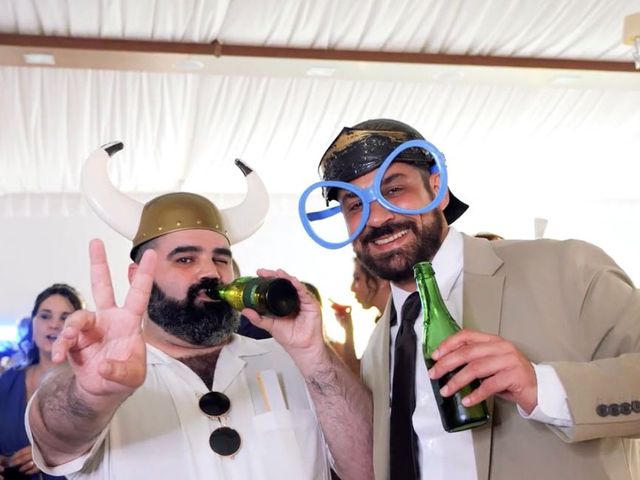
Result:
pixel 551 328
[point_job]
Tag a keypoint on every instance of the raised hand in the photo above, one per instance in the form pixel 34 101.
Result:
pixel 294 334
pixel 342 314
pixel 105 348
pixel 342 403
pixel 23 459
pixel 503 369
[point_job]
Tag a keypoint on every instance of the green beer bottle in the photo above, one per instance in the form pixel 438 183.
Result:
pixel 438 325
pixel 273 297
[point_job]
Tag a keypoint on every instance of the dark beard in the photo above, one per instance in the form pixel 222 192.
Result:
pixel 397 266
pixel 206 324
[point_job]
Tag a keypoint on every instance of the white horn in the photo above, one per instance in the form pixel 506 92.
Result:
pixel 247 217
pixel 116 209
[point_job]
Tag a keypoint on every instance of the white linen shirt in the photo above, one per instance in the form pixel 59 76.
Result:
pixel 160 432
pixel 450 456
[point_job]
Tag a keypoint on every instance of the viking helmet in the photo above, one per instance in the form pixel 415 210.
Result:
pixel 170 212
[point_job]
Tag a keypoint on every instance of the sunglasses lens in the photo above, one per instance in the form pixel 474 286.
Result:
pixel 214 404
pixel 225 441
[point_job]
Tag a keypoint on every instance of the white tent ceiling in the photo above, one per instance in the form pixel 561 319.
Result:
pixel 559 143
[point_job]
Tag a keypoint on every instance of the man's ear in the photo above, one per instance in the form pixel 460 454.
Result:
pixel 434 183
pixel 133 267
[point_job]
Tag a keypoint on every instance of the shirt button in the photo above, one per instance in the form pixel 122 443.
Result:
pixel 625 408
pixel 614 409
pixel 602 410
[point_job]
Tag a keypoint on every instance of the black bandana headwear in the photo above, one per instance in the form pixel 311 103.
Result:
pixel 364 147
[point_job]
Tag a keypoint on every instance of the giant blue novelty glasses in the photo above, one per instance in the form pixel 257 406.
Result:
pixel 325 227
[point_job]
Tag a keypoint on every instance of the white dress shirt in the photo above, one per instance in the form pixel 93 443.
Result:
pixel 450 456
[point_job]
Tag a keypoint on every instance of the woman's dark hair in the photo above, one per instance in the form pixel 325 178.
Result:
pixel 371 280
pixel 26 344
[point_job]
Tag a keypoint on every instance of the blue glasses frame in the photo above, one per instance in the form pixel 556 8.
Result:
pixel 372 193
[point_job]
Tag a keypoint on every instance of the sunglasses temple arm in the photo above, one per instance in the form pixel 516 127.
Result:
pixel 322 214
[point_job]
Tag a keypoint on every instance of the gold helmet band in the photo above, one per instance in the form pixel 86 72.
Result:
pixel 170 212
pixel 177 211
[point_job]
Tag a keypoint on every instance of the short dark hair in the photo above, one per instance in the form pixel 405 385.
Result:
pixel 488 236
pixel 143 247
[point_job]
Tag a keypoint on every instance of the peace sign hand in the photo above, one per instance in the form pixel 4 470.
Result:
pixel 105 348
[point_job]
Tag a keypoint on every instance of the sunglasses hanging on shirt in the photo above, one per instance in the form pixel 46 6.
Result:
pixel 224 441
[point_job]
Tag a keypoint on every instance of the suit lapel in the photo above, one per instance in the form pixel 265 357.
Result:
pixel 381 391
pixel 482 304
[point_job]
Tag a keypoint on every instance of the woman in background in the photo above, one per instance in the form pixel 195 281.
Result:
pixel 17 385
pixel 370 291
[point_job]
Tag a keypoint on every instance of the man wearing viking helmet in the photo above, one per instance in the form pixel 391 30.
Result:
pixel 162 387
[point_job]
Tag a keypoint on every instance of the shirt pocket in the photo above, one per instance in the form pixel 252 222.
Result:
pixel 290 445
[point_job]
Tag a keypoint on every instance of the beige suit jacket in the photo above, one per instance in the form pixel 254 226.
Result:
pixel 562 303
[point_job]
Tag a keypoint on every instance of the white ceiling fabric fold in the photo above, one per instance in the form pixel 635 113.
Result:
pixel 180 131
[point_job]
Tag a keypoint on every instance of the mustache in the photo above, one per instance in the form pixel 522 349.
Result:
pixel 204 284
pixel 388 229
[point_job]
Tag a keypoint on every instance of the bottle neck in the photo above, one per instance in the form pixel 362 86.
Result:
pixel 437 322
pixel 430 287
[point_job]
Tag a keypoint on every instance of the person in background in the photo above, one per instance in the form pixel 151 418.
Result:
pixel 369 289
pixel 370 292
pixel 551 328
pixel 52 306
pixel 8 351
pixel 488 236
pixel 345 350
pixel 11 354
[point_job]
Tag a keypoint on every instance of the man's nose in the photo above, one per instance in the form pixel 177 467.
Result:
pixel 378 215
pixel 58 324
pixel 209 270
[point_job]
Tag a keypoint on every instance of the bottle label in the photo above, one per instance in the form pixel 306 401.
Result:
pixel 248 295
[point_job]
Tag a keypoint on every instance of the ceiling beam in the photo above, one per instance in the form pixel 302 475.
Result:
pixel 217 49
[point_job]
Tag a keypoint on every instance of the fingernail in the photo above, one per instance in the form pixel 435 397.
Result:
pixel 444 391
pixel 430 372
pixel 435 354
pixel 466 402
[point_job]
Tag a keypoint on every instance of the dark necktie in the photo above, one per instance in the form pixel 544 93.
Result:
pixel 404 441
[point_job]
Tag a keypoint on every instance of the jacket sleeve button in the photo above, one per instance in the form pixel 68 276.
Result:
pixel 614 409
pixel 602 410
pixel 625 408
